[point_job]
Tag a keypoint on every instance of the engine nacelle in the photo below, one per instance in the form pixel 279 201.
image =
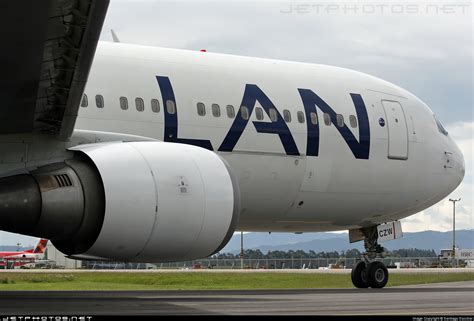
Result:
pixel 135 202
pixel 164 202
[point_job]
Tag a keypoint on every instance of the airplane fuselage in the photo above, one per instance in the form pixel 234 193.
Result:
pixel 314 148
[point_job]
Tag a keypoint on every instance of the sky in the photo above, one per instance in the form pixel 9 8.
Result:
pixel 425 47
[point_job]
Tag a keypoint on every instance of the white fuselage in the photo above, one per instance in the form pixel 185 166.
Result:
pixel 290 179
pixel 23 255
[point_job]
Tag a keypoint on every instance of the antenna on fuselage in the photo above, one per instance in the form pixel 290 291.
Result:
pixel 114 36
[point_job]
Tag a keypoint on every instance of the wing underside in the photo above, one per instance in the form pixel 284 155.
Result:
pixel 47 51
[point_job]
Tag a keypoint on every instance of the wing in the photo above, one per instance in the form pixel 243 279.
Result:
pixel 47 51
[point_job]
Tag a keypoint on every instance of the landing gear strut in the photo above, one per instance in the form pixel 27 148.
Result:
pixel 369 272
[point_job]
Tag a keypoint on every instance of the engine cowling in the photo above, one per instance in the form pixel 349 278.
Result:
pixel 136 202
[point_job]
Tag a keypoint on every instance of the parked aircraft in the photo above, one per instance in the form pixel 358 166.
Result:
pixel 35 253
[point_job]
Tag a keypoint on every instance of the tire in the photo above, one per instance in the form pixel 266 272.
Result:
pixel 377 275
pixel 359 276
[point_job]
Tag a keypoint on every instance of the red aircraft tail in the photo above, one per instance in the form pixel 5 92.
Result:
pixel 41 246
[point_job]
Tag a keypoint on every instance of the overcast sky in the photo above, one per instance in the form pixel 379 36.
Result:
pixel 425 47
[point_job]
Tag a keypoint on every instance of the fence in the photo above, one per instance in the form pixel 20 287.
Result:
pixel 295 263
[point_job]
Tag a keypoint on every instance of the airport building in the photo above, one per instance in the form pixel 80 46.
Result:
pixel 59 260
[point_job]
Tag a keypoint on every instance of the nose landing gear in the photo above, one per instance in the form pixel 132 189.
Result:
pixel 369 272
pixel 373 274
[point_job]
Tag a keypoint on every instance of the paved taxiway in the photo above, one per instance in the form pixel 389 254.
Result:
pixel 443 298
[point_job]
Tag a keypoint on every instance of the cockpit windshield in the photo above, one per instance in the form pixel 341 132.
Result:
pixel 440 126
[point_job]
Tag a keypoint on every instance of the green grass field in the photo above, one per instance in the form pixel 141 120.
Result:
pixel 202 281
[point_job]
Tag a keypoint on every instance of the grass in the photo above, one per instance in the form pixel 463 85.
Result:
pixel 202 281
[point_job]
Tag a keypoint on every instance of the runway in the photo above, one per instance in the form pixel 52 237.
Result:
pixel 444 298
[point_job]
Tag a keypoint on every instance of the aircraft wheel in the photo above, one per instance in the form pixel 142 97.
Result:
pixel 359 276
pixel 377 275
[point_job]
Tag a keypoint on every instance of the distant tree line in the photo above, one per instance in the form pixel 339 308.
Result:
pixel 300 254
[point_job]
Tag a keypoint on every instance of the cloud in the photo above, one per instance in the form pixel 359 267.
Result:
pixel 13 239
pixel 429 52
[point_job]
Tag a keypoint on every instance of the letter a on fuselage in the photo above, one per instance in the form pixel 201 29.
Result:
pixel 252 95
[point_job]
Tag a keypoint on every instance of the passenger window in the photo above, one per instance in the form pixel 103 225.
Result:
pixel 273 114
pixel 314 118
pixel 340 120
pixel 124 103
pixel 140 104
pixel 230 111
pixel 244 112
pixel 327 119
pixel 85 101
pixel 300 116
pixel 170 107
pixel 287 116
pixel 155 105
pixel 216 110
pixel 99 101
pixel 201 109
pixel 259 113
pixel 353 121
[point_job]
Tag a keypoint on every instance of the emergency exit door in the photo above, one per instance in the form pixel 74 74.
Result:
pixel 397 130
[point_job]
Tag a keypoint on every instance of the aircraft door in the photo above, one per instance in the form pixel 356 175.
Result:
pixel 397 130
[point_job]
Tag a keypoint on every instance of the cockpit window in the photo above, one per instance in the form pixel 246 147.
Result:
pixel 440 126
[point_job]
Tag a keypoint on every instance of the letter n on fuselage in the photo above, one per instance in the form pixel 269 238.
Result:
pixel 360 149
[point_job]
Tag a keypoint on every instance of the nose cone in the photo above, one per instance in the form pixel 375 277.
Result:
pixel 463 165
pixel 458 164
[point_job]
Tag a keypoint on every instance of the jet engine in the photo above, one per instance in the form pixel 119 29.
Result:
pixel 134 202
